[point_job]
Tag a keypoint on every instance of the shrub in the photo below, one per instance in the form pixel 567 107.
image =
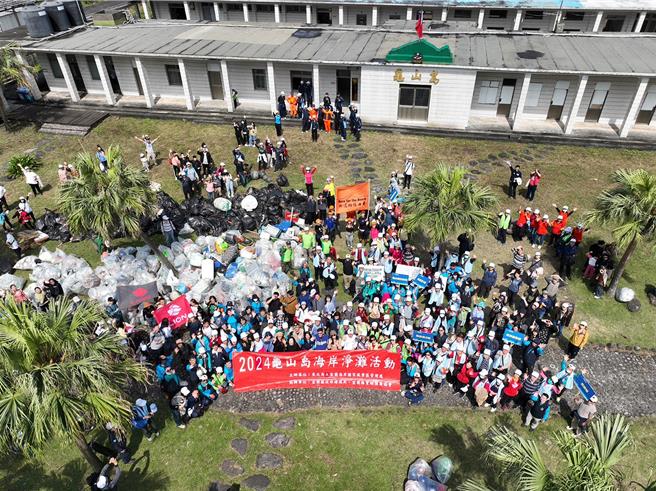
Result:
pixel 26 160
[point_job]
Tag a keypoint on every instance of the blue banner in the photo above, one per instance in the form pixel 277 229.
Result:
pixel 399 279
pixel 421 281
pixel 423 337
pixel 584 386
pixel 513 337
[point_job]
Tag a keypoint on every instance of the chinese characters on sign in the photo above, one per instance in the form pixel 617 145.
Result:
pixel 352 198
pixel 399 77
pixel 375 370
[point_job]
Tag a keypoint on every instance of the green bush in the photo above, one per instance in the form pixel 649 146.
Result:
pixel 26 160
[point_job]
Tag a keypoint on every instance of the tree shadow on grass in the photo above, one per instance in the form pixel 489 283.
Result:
pixel 466 449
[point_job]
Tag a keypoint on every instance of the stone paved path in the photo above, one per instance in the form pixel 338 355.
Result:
pixel 624 382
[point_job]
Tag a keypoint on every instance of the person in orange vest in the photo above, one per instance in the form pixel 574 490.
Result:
pixel 557 227
pixel 519 230
pixel 327 118
pixel 314 114
pixel 565 212
pixel 541 230
pixel 293 105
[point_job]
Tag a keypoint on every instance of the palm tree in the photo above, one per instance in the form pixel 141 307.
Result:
pixel 112 202
pixel 445 201
pixel 590 460
pixel 57 378
pixel 630 210
pixel 12 69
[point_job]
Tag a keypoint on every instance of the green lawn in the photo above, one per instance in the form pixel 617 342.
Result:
pixel 572 176
pixel 359 450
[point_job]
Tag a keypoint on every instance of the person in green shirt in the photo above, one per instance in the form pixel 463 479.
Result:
pixel 326 244
pixel 503 225
pixel 287 257
pixel 308 239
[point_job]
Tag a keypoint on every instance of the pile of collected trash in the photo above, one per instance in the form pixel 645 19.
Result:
pixel 425 477
pixel 225 266
pixel 54 226
pixel 248 212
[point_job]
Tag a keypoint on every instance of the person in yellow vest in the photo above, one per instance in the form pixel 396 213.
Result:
pixel 329 190
pixel 577 339
pixel 287 257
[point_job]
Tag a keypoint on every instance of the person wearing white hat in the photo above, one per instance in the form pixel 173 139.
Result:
pixel 408 171
pixel 510 392
pixel 108 476
pixel 143 418
pixel 481 387
pixel 578 339
pixel 582 414
pixel 532 185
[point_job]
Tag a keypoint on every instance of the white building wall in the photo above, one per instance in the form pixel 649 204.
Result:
pixel 379 97
pixel 384 13
pixel 92 86
pixel 235 15
pixel 198 79
pixel 292 17
pixel 125 74
pixel 159 85
pixel 56 84
pixel 328 81
pixel 479 109
pixel 543 25
pixel 350 15
pixel 540 111
pixel 241 79
pixel 584 25
pixel 259 16
pixel 505 24
pixel 618 100
pixel 282 75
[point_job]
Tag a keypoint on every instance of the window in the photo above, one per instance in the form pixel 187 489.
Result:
pixel 488 92
pixel 294 9
pixel 614 23
pixel 489 28
pixel 361 19
pixel 173 74
pixel 462 14
pixel 533 95
pixel 428 14
pixel 534 15
pixel 259 79
pixel 233 7
pixel 574 16
pixel 600 93
pixel 177 11
pixel 530 28
pixel 263 8
pixel 395 17
pixel 498 14
pixel 54 66
pixel 93 68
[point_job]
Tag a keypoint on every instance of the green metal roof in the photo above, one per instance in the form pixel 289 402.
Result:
pixel 429 52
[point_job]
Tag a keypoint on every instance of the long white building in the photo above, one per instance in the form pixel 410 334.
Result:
pixel 600 84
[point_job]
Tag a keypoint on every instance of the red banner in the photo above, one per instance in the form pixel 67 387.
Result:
pixel 374 370
pixel 177 312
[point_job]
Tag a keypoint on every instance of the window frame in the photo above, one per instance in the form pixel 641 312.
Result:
pixel 92 67
pixel 260 82
pixel 497 14
pixel 460 13
pixel 534 15
pixel 55 69
pixel 172 70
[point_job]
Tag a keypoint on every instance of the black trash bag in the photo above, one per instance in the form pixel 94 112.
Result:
pixel 201 225
pixel 40 224
pixel 248 222
pixel 282 181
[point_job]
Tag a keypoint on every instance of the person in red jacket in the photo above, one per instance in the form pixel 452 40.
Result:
pixel 464 377
pixel 565 212
pixel 519 231
pixel 557 227
pixel 541 230
pixel 577 233
pixel 532 225
pixel 511 390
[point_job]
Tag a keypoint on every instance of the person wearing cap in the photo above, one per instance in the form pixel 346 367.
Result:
pixel 143 418
pixel 578 338
pixel 503 225
pixel 107 478
pixel 118 443
pixel 585 410
pixel 502 360
pixel 565 212
pixel 488 281
pixel 481 387
pixel 567 258
pixel 510 392
pixel 521 224
pixel 484 361
pixel 308 176
pixel 414 390
pixel 168 230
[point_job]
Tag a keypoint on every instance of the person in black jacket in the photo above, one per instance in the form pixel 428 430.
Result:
pixel 515 180
pixel 536 414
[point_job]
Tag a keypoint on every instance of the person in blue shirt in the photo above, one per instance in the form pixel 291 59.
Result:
pixel 229 373
pixel 278 123
pixel 256 304
pixel 102 159
pixel 321 340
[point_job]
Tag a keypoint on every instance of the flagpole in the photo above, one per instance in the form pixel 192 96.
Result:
pixel 369 203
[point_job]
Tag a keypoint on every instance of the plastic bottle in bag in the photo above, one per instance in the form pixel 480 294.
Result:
pixel 419 468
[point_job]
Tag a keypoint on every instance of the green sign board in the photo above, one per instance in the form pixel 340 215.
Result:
pixel 421 51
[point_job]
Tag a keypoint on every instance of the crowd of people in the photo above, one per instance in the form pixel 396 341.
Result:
pixel 467 310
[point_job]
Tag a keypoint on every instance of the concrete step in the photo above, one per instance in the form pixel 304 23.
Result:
pixel 62 129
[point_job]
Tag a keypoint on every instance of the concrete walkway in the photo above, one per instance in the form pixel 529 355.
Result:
pixel 624 382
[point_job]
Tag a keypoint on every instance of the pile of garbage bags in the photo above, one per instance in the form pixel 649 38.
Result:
pixel 54 225
pixel 240 213
pixel 425 477
pixel 211 265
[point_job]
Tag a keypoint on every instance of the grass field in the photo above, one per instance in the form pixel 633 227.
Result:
pixel 358 450
pixel 572 176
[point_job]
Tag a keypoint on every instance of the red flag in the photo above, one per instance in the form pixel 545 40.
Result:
pixel 177 312
pixel 419 26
